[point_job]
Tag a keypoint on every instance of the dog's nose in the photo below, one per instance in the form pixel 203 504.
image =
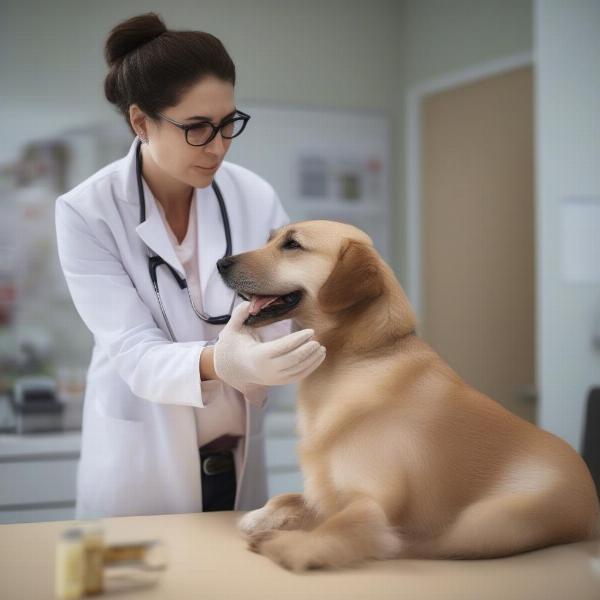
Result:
pixel 224 263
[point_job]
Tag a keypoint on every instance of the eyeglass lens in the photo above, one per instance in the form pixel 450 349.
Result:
pixel 199 134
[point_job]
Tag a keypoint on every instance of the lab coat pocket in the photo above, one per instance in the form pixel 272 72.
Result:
pixel 124 441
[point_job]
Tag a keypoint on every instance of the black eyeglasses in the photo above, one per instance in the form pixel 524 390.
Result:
pixel 202 133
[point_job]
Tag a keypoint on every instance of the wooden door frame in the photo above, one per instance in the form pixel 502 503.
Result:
pixel 415 96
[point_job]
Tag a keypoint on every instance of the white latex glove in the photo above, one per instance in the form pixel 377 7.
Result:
pixel 243 360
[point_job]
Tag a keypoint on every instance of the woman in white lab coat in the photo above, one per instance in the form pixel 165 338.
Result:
pixel 162 432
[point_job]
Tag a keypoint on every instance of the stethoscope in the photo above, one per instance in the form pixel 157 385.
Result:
pixel 154 260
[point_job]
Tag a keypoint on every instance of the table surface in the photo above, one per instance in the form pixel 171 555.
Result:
pixel 208 558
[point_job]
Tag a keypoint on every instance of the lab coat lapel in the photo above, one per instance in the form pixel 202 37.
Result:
pixel 154 233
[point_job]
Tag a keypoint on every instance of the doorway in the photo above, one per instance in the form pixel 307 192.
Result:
pixel 476 234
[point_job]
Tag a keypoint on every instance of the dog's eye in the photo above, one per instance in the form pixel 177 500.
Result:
pixel 291 244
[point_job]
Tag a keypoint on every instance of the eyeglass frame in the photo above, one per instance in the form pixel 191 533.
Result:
pixel 216 128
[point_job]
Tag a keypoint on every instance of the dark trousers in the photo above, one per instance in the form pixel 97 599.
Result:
pixel 218 480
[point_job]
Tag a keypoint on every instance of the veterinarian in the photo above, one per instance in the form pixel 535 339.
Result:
pixel 177 384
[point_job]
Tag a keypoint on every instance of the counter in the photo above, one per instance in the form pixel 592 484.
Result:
pixel 209 559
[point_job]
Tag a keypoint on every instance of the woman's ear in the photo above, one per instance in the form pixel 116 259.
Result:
pixel 356 277
pixel 138 121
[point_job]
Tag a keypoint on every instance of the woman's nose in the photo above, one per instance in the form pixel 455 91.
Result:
pixel 216 146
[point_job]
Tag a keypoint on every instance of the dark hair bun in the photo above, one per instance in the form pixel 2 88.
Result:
pixel 131 34
pixel 154 70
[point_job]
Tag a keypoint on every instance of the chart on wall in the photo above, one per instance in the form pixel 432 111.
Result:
pixel 324 163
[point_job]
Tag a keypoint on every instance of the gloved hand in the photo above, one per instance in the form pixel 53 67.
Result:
pixel 242 360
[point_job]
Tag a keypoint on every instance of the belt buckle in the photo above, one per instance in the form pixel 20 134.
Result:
pixel 216 463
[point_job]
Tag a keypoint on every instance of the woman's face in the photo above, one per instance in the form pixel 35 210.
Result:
pixel 212 98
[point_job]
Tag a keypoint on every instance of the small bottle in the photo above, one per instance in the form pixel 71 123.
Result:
pixel 93 543
pixel 69 565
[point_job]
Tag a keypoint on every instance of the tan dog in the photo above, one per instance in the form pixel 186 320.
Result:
pixel 400 457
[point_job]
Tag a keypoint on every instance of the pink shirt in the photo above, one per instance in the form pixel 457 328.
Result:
pixel 227 416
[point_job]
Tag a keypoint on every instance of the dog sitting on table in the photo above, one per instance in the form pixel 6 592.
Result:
pixel 400 457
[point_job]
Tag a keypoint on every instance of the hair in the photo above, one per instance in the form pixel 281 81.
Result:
pixel 153 66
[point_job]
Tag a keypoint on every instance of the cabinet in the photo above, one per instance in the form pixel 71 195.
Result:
pixel 38 475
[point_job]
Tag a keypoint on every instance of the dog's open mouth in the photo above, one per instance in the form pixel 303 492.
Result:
pixel 267 307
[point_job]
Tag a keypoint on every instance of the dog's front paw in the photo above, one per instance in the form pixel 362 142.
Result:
pixel 261 519
pixel 253 521
pixel 267 518
pixel 291 549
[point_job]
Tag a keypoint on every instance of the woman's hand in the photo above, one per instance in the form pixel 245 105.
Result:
pixel 242 360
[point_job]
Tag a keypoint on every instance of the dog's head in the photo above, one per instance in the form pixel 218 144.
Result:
pixel 306 268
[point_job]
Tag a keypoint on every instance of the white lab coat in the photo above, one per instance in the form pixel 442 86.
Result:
pixel 139 452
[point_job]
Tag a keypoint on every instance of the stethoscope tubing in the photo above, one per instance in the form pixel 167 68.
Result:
pixel 154 260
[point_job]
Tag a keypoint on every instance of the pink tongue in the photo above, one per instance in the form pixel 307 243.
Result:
pixel 259 302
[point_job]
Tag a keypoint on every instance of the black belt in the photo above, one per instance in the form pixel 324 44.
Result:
pixel 214 463
pixel 217 456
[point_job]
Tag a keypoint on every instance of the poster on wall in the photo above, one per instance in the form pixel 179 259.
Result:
pixel 337 176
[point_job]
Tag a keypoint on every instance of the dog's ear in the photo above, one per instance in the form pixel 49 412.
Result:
pixel 356 277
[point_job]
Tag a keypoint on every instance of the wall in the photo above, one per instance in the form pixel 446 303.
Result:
pixel 567 48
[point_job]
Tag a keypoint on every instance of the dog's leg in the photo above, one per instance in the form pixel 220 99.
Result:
pixel 359 531
pixel 285 511
pixel 503 526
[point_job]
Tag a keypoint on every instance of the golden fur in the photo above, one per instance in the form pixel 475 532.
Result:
pixel 400 457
